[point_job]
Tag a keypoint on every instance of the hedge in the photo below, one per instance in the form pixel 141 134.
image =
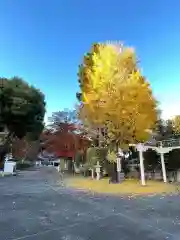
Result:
pixel 21 166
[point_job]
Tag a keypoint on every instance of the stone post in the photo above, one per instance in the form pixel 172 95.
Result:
pixel 92 173
pixel 98 170
pixel 118 169
pixel 120 174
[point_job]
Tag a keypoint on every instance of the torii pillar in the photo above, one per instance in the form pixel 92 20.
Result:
pixel 140 148
pixel 162 151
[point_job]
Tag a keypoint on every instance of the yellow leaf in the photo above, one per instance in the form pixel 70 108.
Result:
pixel 116 94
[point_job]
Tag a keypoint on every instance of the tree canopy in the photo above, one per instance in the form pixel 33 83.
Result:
pixel 115 94
pixel 22 108
pixel 64 132
pixel 63 119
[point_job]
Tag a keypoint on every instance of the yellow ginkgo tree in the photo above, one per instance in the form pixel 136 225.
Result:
pixel 94 73
pixel 176 124
pixel 131 111
pixel 116 95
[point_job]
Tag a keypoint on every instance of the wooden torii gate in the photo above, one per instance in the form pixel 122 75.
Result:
pixel 164 147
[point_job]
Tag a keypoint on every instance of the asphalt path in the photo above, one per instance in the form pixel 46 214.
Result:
pixel 35 205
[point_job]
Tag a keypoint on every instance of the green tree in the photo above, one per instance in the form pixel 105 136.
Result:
pixel 160 130
pixel 151 160
pixel 169 129
pixel 164 129
pixel 172 162
pixel 22 109
pixel 64 119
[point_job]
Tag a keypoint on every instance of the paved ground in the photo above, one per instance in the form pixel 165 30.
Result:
pixel 33 206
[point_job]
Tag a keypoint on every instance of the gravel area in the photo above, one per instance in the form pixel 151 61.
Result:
pixel 35 205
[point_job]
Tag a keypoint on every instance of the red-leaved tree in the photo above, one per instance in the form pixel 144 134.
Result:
pixel 64 136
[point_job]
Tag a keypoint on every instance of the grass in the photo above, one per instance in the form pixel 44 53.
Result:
pixel 127 187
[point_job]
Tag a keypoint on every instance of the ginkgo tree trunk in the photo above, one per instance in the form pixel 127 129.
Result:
pixel 114 92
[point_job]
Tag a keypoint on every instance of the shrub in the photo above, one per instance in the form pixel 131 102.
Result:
pixel 78 158
pixel 22 166
pixel 95 154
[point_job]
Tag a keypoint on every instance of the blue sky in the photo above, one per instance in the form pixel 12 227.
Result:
pixel 43 42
